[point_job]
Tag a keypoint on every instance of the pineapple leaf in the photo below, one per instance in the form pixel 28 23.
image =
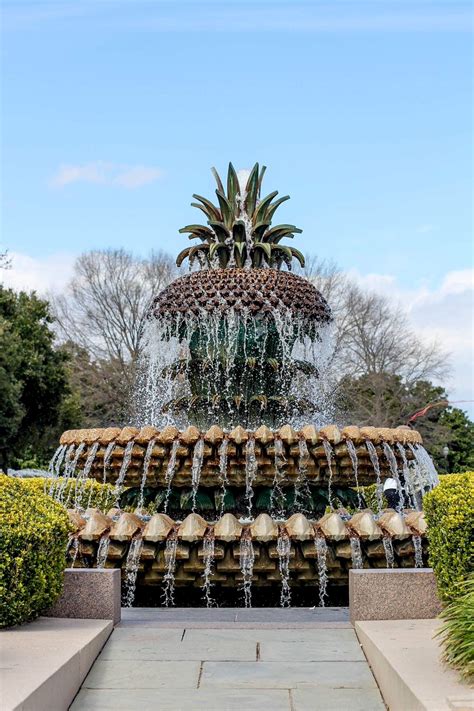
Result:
pixel 272 209
pixel 238 231
pixel 276 233
pixel 210 207
pixel 200 231
pixel 259 230
pixel 296 253
pixel 184 254
pixel 263 206
pixel 226 209
pixel 221 231
pixel 260 178
pixel 266 248
pixel 215 247
pixel 233 187
pixel 252 189
pixel 218 180
pixel 279 248
pixel 240 252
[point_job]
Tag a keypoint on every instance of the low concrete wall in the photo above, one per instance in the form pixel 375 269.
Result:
pixel 393 594
pixel 90 594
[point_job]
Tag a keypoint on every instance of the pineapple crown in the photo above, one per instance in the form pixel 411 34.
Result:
pixel 239 231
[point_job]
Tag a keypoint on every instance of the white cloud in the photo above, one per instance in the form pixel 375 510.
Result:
pixel 41 274
pixel 103 173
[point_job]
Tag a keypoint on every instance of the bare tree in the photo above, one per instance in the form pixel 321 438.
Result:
pixel 105 305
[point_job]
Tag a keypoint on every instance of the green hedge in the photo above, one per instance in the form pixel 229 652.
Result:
pixel 83 494
pixel 33 536
pixel 457 633
pixel 449 511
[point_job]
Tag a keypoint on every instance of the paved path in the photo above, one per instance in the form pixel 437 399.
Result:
pixel 226 659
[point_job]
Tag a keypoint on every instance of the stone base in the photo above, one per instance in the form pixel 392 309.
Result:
pixel 90 594
pixel 393 594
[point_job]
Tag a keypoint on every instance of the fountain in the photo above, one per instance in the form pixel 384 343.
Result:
pixel 251 484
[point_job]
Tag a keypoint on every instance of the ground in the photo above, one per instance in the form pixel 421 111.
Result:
pixel 251 660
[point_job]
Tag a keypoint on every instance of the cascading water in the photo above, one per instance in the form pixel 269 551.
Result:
pixel 321 556
pixel 374 458
pixel 389 554
pixel 355 467
pixel 208 557
pixel 418 551
pixel 146 467
pixel 250 473
pixel 284 550
pixel 171 546
pixel 277 497
pixel 107 459
pixel 247 559
pixel 170 472
pixel 302 500
pixel 356 553
pixel 73 544
pixel 102 551
pixel 223 473
pixel 131 572
pixel 127 458
pixel 329 457
pixel 410 484
pixel 392 462
pixel 196 467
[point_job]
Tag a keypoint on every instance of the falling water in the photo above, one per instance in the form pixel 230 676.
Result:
pixel 355 467
pixel 277 497
pixel 389 554
pixel 170 472
pixel 321 554
pixel 283 550
pixel 70 469
pixel 418 551
pixel 356 553
pixel 302 501
pixel 55 463
pixel 107 459
pixel 73 544
pixel 131 572
pixel 247 559
pixel 428 473
pixel 250 473
pixel 102 551
pixel 196 467
pixel 223 473
pixel 208 557
pixel 146 466
pixel 87 470
pixel 410 486
pixel 392 462
pixel 127 458
pixel 168 579
pixel 329 456
pixel 374 458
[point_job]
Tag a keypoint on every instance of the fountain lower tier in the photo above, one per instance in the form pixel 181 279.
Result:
pixel 134 457
pixel 167 552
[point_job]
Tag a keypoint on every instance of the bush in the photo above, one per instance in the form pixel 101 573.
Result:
pixel 457 633
pixel 33 536
pixel 75 493
pixel 449 510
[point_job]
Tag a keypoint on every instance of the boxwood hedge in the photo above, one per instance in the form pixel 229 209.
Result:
pixel 75 493
pixel 449 511
pixel 33 535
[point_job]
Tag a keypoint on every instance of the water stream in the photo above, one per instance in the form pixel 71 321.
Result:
pixel 127 458
pixel 73 544
pixel 374 458
pixel 389 554
pixel 284 550
pixel 169 578
pixel 223 473
pixel 170 472
pixel 277 497
pixel 418 551
pixel 208 557
pixel 356 553
pixel 102 551
pixel 247 559
pixel 131 572
pixel 198 456
pixel 146 467
pixel 329 457
pixel 251 467
pixel 355 468
pixel 321 556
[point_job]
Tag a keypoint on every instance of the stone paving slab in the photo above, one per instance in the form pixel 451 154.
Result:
pixel 286 675
pixel 185 700
pixel 315 650
pixel 142 674
pixel 324 699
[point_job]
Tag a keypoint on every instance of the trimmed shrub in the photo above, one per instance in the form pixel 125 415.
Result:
pixel 449 511
pixel 75 493
pixel 457 633
pixel 33 536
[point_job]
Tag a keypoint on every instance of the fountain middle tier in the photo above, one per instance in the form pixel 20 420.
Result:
pixel 135 457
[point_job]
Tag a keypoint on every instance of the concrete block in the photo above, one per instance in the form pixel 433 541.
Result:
pixel 89 594
pixel 393 594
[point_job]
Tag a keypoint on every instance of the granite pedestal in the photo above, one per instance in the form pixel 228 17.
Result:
pixel 393 594
pixel 89 593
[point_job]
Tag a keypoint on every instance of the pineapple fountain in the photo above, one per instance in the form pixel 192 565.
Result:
pixel 235 485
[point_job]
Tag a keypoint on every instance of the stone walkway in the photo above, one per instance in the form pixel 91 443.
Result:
pixel 225 659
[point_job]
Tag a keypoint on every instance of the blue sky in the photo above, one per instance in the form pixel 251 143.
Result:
pixel 114 111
